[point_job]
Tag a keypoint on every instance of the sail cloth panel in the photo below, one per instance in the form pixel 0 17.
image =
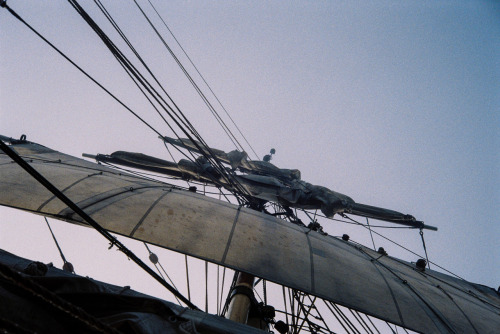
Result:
pixel 250 241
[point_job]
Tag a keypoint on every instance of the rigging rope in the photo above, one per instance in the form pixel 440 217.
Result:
pixel 335 315
pixel 264 291
pixel 319 317
pixel 187 276
pixel 202 77
pixel 126 68
pixel 228 299
pixel 217 294
pixel 371 322
pixel 175 114
pixel 222 291
pixel 156 262
pixel 389 325
pixel 430 307
pixel 206 286
pixel 401 246
pixel 168 150
pixel 130 71
pixel 371 234
pixel 360 320
pixel 284 302
pixel 346 320
pixel 79 68
pixel 300 302
pixel 67 265
pixel 425 248
pixel 89 220
pixel 193 83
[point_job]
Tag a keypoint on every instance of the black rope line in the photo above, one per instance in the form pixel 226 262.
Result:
pixel 202 77
pixel 371 234
pixel 222 290
pixel 131 70
pixel 168 150
pixel 390 327
pixel 185 120
pixel 442 320
pixel 127 66
pixel 57 243
pixel 300 303
pixel 371 322
pixel 187 277
pixel 361 321
pixel 285 303
pixel 42 180
pixel 425 248
pixel 178 117
pixel 156 264
pixel 346 320
pixel 93 169
pixel 335 315
pixel 193 83
pixel 228 299
pixel 317 311
pixel 218 287
pixel 401 246
pixel 314 325
pixel 206 286
pixel 80 69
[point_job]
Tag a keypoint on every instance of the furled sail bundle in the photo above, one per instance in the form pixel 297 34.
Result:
pixel 260 179
pixel 250 241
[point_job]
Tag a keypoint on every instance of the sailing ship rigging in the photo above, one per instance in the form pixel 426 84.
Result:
pixel 301 268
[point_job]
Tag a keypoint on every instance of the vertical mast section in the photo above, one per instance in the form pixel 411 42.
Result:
pixel 241 298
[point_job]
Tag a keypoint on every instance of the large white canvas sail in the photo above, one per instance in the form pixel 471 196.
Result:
pixel 250 241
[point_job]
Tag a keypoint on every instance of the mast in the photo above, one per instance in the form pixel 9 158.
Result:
pixel 241 298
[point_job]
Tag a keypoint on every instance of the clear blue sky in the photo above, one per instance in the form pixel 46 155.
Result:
pixel 394 103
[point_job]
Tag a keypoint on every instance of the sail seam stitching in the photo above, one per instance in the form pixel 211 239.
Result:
pixel 72 163
pixel 116 196
pixel 148 212
pixel 430 307
pixel 458 307
pixel 392 293
pixel 65 189
pixel 231 235
pixel 313 288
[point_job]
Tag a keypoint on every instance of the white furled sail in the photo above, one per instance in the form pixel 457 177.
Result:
pixel 250 241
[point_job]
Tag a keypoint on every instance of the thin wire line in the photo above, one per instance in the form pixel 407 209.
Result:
pixel 79 68
pixel 55 240
pixel 187 277
pixel 371 234
pixel 425 248
pixel 203 78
